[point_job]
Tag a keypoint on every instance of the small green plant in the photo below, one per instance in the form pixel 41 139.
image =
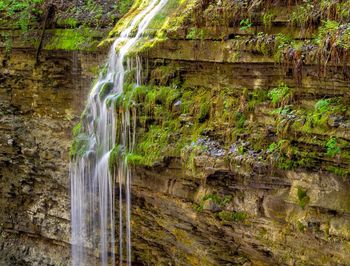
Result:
pixel 280 95
pixel 273 146
pixel 24 12
pixel 8 44
pixel 241 149
pixel 204 111
pixel 245 24
pixel 302 14
pixel 256 97
pixel 282 42
pixel 191 34
pixel 287 156
pixel 267 19
pixel 222 201
pixel 195 33
pixel 232 216
pixel 70 22
pixel 214 197
pixel 197 207
pixel 124 6
pixel 328 28
pixel 338 171
pixel 240 120
pixel 318 117
pixel 303 198
pixel 322 106
pixel 301 227
pixel 332 147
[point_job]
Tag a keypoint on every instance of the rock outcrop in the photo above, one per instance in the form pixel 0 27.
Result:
pixel 39 105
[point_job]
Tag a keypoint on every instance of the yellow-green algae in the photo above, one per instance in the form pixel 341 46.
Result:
pixel 72 39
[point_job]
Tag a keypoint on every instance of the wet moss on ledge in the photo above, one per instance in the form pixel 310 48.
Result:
pixel 179 121
pixel 83 39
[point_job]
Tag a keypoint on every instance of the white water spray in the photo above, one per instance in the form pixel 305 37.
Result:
pixel 92 183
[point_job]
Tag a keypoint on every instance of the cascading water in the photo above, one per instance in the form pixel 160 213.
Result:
pixel 92 183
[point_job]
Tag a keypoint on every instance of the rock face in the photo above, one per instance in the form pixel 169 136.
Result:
pixel 228 198
pixel 39 105
pixel 222 200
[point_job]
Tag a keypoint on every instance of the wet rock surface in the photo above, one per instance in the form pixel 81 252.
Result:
pixel 236 211
pixel 249 216
pixel 39 104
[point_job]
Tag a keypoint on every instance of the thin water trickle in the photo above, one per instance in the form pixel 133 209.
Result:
pixel 93 188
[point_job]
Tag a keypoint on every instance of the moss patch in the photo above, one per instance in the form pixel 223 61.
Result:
pixel 72 39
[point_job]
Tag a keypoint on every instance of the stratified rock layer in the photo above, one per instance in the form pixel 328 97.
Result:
pixel 39 105
pixel 223 210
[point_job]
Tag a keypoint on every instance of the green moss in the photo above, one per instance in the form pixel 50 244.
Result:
pixel 286 156
pixel 68 22
pixel 332 35
pixel 169 130
pixel 153 144
pixel 301 227
pixel 195 33
pixel 232 216
pixel 134 159
pixel 197 207
pixel 114 156
pixel 105 90
pixel 256 97
pixel 220 200
pixel 79 146
pixel 303 198
pixel 167 135
pixel 76 129
pixel 322 106
pixel 273 147
pixel 159 22
pixel 80 142
pixel 72 39
pixel 168 18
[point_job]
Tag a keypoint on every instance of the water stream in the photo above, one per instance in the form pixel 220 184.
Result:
pixel 94 187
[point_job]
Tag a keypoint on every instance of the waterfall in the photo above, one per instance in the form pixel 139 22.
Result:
pixel 93 185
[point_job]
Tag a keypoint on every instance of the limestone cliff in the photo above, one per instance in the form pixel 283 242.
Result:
pixel 243 137
pixel 40 101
